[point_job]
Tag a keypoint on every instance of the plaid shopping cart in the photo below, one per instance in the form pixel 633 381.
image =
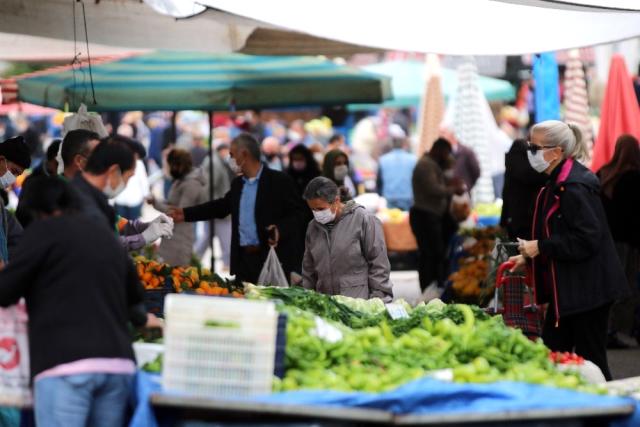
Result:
pixel 519 308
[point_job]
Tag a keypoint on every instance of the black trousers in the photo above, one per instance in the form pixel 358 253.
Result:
pixel 249 266
pixel 582 333
pixel 429 231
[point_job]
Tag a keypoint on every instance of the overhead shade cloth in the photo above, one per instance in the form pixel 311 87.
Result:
pixel 408 79
pixel 620 5
pixel 619 113
pixel 169 80
pixel 546 91
pixel 456 27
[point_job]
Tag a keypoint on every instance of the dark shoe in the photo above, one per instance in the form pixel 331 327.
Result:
pixel 615 343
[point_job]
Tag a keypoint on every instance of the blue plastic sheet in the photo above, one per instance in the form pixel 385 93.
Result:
pixel 422 397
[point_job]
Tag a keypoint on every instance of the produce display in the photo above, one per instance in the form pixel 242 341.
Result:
pixel 159 276
pixel 332 346
pixel 469 282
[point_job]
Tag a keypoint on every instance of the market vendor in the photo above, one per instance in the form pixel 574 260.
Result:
pixel 345 249
pixel 575 267
pixel 14 159
pixel 103 176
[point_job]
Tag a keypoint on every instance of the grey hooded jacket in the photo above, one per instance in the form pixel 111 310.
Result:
pixel 350 259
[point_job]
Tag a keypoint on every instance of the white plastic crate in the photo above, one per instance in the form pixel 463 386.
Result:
pixel 219 347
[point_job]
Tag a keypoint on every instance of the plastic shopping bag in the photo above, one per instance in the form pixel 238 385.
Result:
pixel 272 273
pixel 81 120
pixel 14 356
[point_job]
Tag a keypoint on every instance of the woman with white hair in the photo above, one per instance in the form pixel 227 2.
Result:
pixel 573 262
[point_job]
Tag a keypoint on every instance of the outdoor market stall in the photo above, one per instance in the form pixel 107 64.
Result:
pixel 349 362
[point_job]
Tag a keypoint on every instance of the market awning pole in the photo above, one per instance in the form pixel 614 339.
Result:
pixel 211 221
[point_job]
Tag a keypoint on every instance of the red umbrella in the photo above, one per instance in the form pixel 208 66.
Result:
pixel 620 113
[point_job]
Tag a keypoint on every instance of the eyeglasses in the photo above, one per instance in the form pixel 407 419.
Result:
pixel 534 148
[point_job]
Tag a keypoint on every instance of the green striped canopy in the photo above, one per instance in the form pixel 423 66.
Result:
pixel 167 80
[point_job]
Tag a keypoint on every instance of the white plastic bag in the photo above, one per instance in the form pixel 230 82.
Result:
pixel 14 356
pixel 81 120
pixel 272 273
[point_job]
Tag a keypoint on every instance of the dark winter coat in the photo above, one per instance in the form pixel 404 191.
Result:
pixel 277 202
pixel 578 268
pixel 521 186
pixel 622 209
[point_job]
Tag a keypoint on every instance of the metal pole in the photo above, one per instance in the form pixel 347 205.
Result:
pixel 211 221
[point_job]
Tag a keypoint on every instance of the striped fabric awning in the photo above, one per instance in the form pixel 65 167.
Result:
pixel 576 98
pixel 168 80
pixel 9 86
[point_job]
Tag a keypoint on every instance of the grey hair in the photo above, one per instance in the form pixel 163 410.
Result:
pixel 321 188
pixel 246 141
pixel 567 136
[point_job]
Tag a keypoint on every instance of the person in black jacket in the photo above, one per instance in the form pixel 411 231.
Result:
pixel 265 210
pixel 572 257
pixel 521 186
pixel 620 180
pixel 81 291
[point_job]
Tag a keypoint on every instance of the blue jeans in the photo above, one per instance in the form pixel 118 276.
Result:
pixel 96 400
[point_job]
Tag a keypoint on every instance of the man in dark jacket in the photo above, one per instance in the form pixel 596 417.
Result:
pixel 105 175
pixel 521 186
pixel 14 159
pixel 265 210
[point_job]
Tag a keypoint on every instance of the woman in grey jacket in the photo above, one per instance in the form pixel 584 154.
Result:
pixel 345 250
pixel 187 190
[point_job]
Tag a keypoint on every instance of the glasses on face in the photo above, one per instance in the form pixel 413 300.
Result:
pixel 534 148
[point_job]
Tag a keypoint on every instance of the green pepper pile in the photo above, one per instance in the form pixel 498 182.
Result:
pixel 376 353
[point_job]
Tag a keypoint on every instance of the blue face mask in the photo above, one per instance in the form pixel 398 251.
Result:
pixel 537 161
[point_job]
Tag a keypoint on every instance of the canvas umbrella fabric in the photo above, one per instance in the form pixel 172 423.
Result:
pixel 576 100
pixel 432 110
pixel 619 113
pixel 546 90
pixel 171 80
pixel 469 116
pixel 409 79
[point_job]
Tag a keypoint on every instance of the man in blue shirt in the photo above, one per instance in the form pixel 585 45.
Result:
pixel 265 209
pixel 396 169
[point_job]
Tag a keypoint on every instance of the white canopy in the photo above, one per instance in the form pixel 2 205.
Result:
pixel 454 27
pixel 124 23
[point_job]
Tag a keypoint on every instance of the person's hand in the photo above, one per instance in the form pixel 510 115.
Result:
pixel 156 231
pixel 274 235
pixel 154 322
pixel 1 265
pixel 519 262
pixel 162 219
pixel 528 248
pixel 177 214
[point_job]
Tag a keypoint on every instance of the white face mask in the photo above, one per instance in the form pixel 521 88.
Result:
pixel 112 193
pixel 340 172
pixel 537 161
pixel 324 216
pixel 8 179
